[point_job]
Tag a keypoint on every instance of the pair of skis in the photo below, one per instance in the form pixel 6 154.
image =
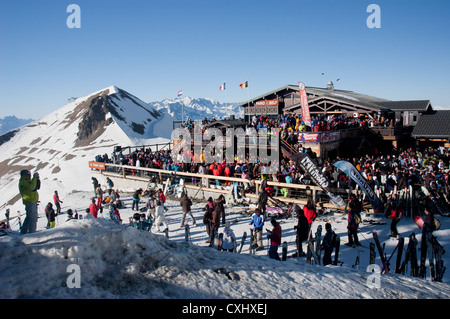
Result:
pixel 313 249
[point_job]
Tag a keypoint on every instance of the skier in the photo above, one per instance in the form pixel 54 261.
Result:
pixel 207 217
pixel 275 239
pixel 395 215
pixel 229 238
pixel 151 205
pixel 302 228
pixel 186 204
pixel 50 214
pixel 328 244
pixel 353 224
pixel 136 199
pixel 28 188
pixel 221 202
pixel 215 222
pixel 159 217
pixel 99 193
pixel 93 209
pixel 95 183
pixel 258 223
pixel 262 202
pixel 110 183
pixel 57 202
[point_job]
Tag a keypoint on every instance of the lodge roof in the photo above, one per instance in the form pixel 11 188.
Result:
pixel 433 124
pixel 414 105
pixel 348 97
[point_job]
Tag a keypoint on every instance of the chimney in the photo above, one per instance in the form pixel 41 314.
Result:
pixel 330 86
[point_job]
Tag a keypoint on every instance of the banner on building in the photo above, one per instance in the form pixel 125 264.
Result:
pixel 353 173
pixel 306 163
pixel 306 117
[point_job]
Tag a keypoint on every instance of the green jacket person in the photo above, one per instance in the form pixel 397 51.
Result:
pixel 28 188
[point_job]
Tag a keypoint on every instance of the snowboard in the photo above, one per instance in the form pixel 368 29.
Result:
pixel 244 236
pixel 337 245
pixel 380 252
pixel 309 249
pixel 401 243
pixel 284 251
pixel 166 186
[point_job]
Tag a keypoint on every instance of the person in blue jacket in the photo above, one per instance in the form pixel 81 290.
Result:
pixel 258 223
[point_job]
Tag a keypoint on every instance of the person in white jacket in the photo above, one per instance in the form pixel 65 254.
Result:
pixel 229 238
pixel 159 217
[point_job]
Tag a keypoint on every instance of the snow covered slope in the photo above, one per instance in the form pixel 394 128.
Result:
pixel 60 144
pixel 122 262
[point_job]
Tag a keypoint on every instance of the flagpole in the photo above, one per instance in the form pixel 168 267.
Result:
pixel 248 92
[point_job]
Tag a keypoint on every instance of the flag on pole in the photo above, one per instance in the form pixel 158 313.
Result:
pixel 244 85
pixel 180 93
pixel 306 116
pixel 222 87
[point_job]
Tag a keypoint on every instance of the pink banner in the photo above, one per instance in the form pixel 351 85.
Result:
pixel 304 103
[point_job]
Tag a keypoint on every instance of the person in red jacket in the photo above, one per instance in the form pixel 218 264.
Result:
pixel 57 202
pixel 310 212
pixel 93 209
pixel 275 239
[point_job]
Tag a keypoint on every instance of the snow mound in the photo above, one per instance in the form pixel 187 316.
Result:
pixel 123 262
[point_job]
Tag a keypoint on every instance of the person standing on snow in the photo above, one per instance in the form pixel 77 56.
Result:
pixel 28 188
pixel 353 224
pixel 159 216
pixel 229 238
pixel 258 224
pixel 262 202
pixel 186 203
pixel 57 202
pixel 275 239
pixel 136 199
pixel 93 209
pixel 302 228
pixel 50 214
pixel 328 244
pixel 207 218
pixel 99 193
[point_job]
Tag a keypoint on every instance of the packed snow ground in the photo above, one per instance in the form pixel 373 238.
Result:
pixel 118 261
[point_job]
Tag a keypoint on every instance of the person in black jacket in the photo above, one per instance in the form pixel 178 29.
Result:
pixel 328 244
pixel 50 214
pixel 302 229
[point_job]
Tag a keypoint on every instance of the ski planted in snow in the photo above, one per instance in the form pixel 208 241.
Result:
pixel 337 245
pixel 380 252
pixel 401 243
pixel 373 254
pixel 244 236
pixel 317 243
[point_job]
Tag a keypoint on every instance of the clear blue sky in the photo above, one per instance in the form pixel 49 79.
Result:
pixel 153 49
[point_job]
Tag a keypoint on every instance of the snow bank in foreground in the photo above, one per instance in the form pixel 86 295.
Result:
pixel 123 262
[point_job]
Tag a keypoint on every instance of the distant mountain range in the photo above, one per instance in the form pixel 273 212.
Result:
pixel 9 123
